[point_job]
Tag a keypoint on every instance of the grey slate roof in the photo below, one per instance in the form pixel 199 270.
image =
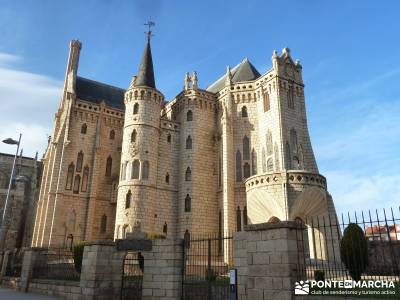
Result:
pixel 96 92
pixel 145 75
pixel 244 71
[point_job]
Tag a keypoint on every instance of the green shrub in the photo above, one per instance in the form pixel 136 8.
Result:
pixel 155 236
pixel 211 275
pixel 78 256
pixel 319 275
pixel 354 250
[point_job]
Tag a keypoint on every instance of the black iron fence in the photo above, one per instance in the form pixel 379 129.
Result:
pixel 55 264
pixel 207 261
pixel 132 276
pixel 370 252
pixel 14 263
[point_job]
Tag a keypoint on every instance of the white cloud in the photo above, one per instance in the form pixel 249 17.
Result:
pixel 28 104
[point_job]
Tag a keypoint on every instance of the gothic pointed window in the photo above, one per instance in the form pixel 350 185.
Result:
pixel 128 199
pixel 108 166
pixel 288 157
pixel 245 215
pixel 145 170
pixel 186 239
pixel 266 102
pixel 246 170
pixel 70 176
pixel 189 142
pixel 244 112
pixel 264 163
pixel 136 108
pixel 188 174
pixel 85 177
pixel 290 98
pixel 123 170
pixel 135 169
pixel 79 161
pixel 188 203
pixel 77 182
pixel 189 116
pixel 169 138
pixel 246 148
pixel 253 162
pixel 293 141
pixel 112 134
pixel 84 128
pixel 133 136
pixel 167 178
pixel 165 228
pixel 270 165
pixel 238 166
pixel 301 158
pixel 103 224
pixel 238 219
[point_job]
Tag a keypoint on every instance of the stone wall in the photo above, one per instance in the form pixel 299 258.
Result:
pixel 57 288
pixel 383 257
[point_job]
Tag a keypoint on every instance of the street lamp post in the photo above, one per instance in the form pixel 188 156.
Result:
pixel 4 227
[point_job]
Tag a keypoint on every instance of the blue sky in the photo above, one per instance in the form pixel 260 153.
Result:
pixel 349 52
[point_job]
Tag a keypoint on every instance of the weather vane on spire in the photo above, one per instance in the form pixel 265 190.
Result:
pixel 148 33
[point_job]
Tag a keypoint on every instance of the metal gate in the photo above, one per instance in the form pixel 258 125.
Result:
pixel 132 276
pixel 206 268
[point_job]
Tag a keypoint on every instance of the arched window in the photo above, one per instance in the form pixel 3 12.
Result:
pixel 188 174
pixel 189 116
pixel 169 138
pixel 133 136
pixel 238 166
pixel 270 165
pixel 245 215
pixel 238 219
pixel 70 176
pixel 301 158
pixel 290 98
pixel 268 139
pixel 123 170
pixel 112 134
pixel 264 163
pixel 136 108
pixel 186 239
pixel 288 157
pixel 135 169
pixel 188 203
pixel 103 224
pixel 189 142
pixel 246 170
pixel 108 166
pixel 165 228
pixel 128 199
pixel 167 178
pixel 77 182
pixel 246 148
pixel 253 162
pixel 85 177
pixel 145 170
pixel 273 219
pixel 293 140
pixel 84 128
pixel 79 161
pixel 266 102
pixel 244 112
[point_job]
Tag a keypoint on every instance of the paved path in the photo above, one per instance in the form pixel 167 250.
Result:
pixel 8 294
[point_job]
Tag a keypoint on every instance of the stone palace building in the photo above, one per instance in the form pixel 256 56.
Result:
pixel 208 161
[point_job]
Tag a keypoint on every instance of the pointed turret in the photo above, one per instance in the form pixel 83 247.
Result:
pixel 145 75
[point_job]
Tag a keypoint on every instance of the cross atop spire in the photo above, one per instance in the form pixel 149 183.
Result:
pixel 148 32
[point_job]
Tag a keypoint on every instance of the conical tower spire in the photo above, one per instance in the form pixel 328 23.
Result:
pixel 145 75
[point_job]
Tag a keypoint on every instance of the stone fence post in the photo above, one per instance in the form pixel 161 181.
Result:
pixel 101 275
pixel 162 277
pixel 268 260
pixel 28 262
